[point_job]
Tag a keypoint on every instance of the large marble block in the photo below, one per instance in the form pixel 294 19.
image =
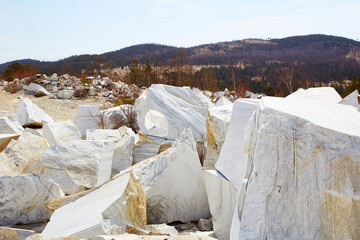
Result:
pixel 78 165
pixel 119 202
pixel 164 111
pixel 23 198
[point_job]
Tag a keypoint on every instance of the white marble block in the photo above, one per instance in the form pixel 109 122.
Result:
pixel 78 165
pixel 165 111
pixel 119 202
pixel 304 180
pixel 61 131
pixel 23 198
pixel 30 115
pixel 173 183
pixel 23 155
pixel 123 146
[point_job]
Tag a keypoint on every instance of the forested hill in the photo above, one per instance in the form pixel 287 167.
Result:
pixel 300 49
pixel 314 58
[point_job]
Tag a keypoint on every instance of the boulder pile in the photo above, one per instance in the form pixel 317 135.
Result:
pixel 182 164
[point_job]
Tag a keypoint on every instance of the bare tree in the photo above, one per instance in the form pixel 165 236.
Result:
pixel 127 117
pixel 287 76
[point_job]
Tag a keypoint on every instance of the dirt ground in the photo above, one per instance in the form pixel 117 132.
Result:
pixel 58 109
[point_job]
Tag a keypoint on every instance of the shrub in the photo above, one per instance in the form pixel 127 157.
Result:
pixel 13 88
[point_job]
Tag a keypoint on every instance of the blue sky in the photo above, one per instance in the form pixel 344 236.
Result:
pixel 50 30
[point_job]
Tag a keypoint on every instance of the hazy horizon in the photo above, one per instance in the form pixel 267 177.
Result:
pixel 49 30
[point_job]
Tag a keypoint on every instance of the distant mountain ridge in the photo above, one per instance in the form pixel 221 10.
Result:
pixel 315 53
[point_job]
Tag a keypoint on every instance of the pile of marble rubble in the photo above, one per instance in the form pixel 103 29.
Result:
pixel 68 87
pixel 269 168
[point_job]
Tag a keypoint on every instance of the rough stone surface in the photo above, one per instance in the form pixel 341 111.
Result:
pixel 119 202
pixel 37 90
pixel 8 131
pixel 14 233
pixel 165 111
pixel 233 159
pixel 127 236
pixel 205 224
pixel 23 198
pixel 23 155
pixel 65 94
pixel 61 131
pixel 78 165
pixel 160 228
pixel 123 146
pixel 30 115
pixel 88 117
pixel 217 125
pixel 9 127
pixel 173 183
pixel 149 146
pixel 304 181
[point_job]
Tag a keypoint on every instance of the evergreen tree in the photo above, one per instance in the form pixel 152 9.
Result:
pixel 270 90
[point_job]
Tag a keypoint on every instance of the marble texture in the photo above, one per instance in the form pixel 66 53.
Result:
pixel 60 131
pixel 223 199
pixel 30 115
pixel 119 203
pixel 8 131
pixel 78 165
pixel 233 159
pixel 165 111
pixel 23 198
pixel 304 177
pixel 123 146
pixel 23 155
pixel 173 183
pixel 217 124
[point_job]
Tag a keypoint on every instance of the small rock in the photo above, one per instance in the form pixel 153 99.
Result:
pixel 205 224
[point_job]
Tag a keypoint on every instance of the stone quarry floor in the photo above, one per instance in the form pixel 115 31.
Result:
pixel 58 109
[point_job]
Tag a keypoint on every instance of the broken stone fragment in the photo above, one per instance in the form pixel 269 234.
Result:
pixel 223 200
pixel 8 131
pixel 127 236
pixel 37 90
pixel 61 131
pixel 149 146
pixel 233 159
pixel 30 115
pixel 14 233
pixel 23 155
pixel 119 202
pixel 65 94
pixel 205 224
pixel 15 208
pixel 222 101
pixel 217 125
pixel 173 183
pixel 352 99
pixel 123 139
pixel 78 165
